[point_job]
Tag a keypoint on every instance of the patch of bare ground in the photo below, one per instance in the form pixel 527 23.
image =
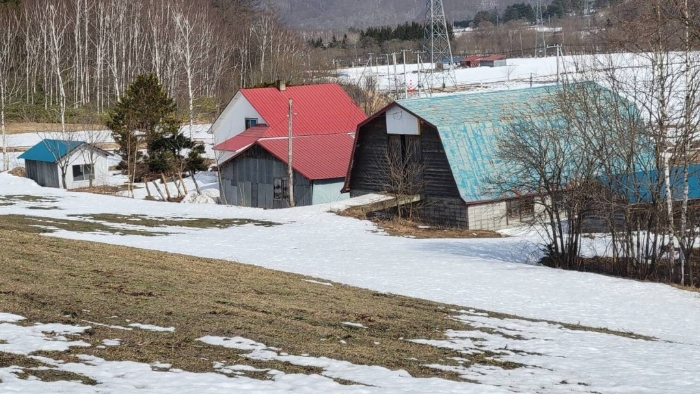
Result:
pixel 415 229
pixel 18 171
pixel 153 221
pixel 34 368
pixel 108 190
pixel 30 127
pixel 407 228
pixel 42 225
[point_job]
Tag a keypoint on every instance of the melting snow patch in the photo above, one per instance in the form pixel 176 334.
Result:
pixel 351 324
pixel 150 327
pixel 111 342
pixel 233 343
pixel 10 318
pixel 108 326
pixel 25 340
pixel 317 282
pixel 374 379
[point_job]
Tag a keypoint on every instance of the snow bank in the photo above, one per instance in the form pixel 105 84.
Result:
pixel 208 196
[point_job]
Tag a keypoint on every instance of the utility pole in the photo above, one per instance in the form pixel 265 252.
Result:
pixel 540 40
pixel 396 76
pixel 558 48
pixel 420 68
pixel 290 167
pixel 405 77
pixel 388 72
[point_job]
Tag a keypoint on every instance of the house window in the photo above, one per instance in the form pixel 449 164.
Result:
pixel 520 209
pixel 250 122
pixel 83 172
pixel 281 188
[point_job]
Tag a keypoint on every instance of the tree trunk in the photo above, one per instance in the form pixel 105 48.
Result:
pixel 165 185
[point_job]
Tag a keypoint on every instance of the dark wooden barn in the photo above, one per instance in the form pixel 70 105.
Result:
pixel 451 142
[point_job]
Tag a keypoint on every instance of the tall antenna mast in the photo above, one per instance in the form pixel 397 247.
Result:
pixel 540 41
pixel 436 45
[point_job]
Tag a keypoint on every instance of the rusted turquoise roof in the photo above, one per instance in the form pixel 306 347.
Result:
pixel 469 125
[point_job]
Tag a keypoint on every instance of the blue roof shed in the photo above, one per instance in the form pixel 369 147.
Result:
pixel 50 151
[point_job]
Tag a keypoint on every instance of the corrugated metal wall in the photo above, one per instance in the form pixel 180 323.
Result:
pixel 43 173
pixel 328 190
pixel 248 181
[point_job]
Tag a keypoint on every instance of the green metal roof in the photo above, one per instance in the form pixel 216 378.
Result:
pixel 50 151
pixel 469 125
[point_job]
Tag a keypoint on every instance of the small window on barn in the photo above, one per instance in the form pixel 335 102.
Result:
pixel 83 172
pixel 250 122
pixel 521 209
pixel 281 188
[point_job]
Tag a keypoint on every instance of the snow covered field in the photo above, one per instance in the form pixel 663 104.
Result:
pixel 488 274
pixel 634 69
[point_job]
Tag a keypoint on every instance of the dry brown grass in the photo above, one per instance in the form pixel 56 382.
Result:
pixel 406 228
pixel 43 225
pixel 56 280
pixel 18 171
pixel 30 127
pixel 103 189
pixel 154 221
pixel 415 229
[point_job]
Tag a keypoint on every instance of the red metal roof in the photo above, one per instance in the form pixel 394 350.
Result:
pixel 472 58
pixel 314 156
pixel 318 109
pixel 324 118
pixel 245 139
pixel 493 57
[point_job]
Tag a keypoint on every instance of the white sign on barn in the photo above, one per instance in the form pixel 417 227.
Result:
pixel 399 121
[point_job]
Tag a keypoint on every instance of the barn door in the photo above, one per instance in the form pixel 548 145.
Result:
pixel 405 160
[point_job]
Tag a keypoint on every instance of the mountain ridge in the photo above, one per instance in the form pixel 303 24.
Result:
pixel 343 14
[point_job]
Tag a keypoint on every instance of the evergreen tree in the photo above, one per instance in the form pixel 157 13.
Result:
pixel 146 114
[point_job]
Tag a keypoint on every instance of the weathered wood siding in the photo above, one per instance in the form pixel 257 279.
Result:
pixel 368 172
pixel 441 204
pixel 248 180
pixel 43 173
pixel 439 181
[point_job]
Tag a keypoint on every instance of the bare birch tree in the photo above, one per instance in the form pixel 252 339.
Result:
pixel 7 63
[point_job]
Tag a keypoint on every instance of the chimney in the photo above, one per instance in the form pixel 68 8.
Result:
pixel 281 85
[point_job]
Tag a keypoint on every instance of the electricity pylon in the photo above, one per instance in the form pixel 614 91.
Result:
pixel 437 47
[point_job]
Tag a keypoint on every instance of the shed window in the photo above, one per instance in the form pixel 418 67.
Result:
pixel 250 122
pixel 83 172
pixel 281 188
pixel 520 209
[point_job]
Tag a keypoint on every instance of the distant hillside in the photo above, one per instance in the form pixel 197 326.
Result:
pixel 340 14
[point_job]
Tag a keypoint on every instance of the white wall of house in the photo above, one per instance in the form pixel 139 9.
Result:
pixel 81 156
pixel 232 120
pixel 325 191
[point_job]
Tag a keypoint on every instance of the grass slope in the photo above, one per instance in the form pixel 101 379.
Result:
pixel 74 282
